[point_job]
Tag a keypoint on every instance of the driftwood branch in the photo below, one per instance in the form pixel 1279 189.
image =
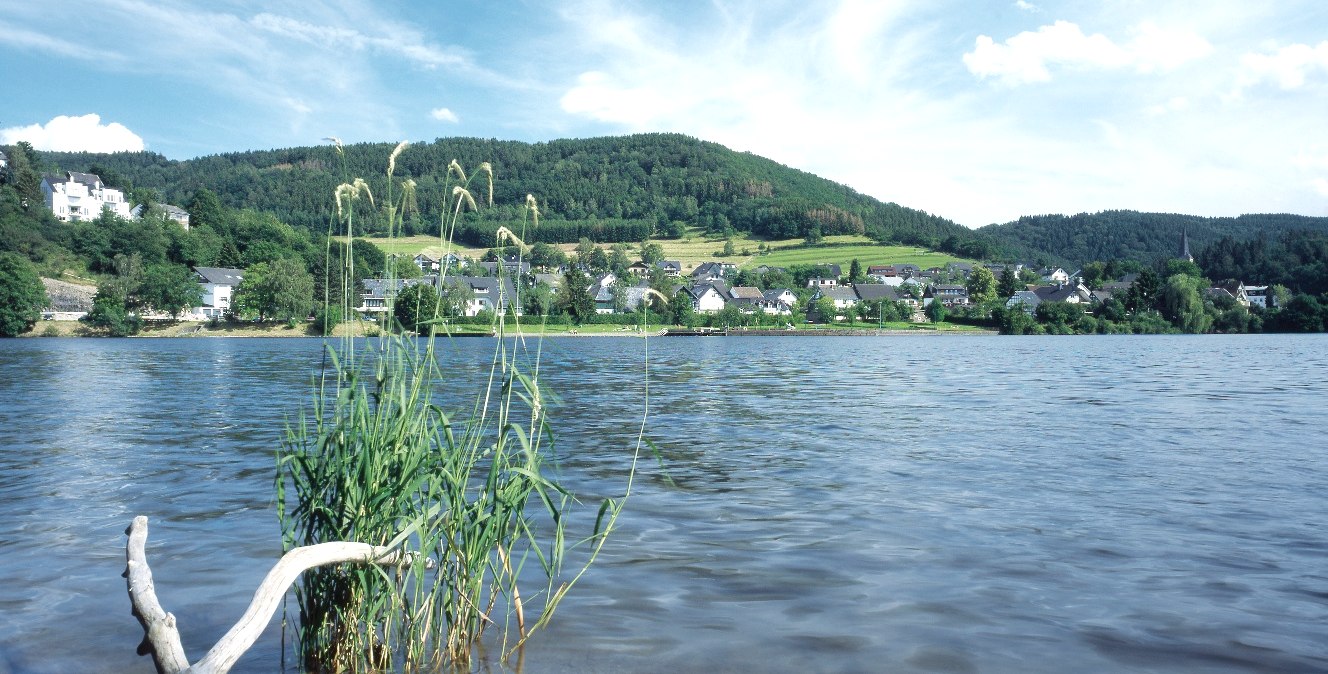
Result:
pixel 162 639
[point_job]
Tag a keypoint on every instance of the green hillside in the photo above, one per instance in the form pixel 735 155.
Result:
pixel 606 189
pixel 1073 240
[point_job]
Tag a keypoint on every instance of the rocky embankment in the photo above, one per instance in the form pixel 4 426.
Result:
pixel 66 296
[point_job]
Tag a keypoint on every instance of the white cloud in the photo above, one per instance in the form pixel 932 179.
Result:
pixel 1027 57
pixel 1173 104
pixel 1288 67
pixel 397 43
pixel 445 115
pixel 1026 6
pixel 1321 186
pixel 85 133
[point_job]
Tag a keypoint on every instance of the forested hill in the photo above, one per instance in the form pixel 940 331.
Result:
pixel 1130 235
pixel 609 189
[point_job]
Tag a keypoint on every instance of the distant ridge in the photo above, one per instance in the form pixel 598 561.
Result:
pixel 1131 235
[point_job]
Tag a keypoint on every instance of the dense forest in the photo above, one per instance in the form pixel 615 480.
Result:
pixel 1074 240
pixel 605 189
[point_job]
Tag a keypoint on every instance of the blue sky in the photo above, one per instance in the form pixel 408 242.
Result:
pixel 979 112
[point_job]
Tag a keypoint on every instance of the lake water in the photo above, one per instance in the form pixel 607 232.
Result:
pixel 900 504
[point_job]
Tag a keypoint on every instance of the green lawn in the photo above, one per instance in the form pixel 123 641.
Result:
pixel 694 249
pixel 843 250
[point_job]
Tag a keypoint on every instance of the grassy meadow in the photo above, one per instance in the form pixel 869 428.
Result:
pixel 693 249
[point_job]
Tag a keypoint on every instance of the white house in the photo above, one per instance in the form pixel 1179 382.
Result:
pixel 1257 296
pixel 707 298
pixel 1055 276
pixel 82 196
pixel 219 286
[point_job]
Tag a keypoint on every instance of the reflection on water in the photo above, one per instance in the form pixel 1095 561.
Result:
pixel 856 504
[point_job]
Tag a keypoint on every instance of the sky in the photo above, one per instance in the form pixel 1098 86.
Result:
pixel 975 111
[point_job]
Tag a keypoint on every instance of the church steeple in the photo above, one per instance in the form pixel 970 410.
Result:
pixel 1185 247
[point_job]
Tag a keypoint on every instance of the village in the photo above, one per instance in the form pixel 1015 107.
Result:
pixel 763 294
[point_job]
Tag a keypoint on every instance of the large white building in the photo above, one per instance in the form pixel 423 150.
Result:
pixel 82 196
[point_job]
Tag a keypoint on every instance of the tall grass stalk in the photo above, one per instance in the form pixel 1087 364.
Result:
pixel 377 459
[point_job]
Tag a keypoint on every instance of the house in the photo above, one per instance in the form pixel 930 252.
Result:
pixel 601 289
pixel 872 292
pixel 998 269
pixel 1024 298
pixel 746 293
pixel 672 268
pixel 831 270
pixel 82 196
pixel 820 282
pixel 709 271
pixel 638 268
pixel 636 296
pixel 168 211
pixel 1259 296
pixel 843 296
pixel 219 286
pixel 781 295
pixel 428 263
pixel 709 297
pixel 1236 290
pixel 551 280
pixel 511 266
pixel 487 293
pixel 379 292
pixel 1055 276
pixel 1074 294
pixel 949 295
pixel 959 269
pixel 882 270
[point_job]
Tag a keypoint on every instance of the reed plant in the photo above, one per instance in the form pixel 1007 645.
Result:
pixel 377 459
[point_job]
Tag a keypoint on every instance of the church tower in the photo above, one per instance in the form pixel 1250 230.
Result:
pixel 1185 247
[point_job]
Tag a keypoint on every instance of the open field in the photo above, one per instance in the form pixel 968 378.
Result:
pixel 414 245
pixel 843 253
pixel 694 249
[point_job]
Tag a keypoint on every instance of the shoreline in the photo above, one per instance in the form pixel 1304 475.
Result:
pixel 190 329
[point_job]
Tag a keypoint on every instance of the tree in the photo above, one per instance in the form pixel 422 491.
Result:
pixel 281 290
pixel 1009 283
pixel 1181 302
pixel 651 252
pixel 538 300
pixel 728 250
pixel 416 305
pixel 683 313
pixel 109 313
pixel 814 236
pixel 405 268
pixel 727 317
pixel 855 273
pixel 205 210
pixel 981 286
pixel 545 255
pixel 22 295
pixel 619 260
pixel 169 288
pixel 584 247
pixel 824 309
pixel 455 298
pixel 574 298
pixel 619 295
pixel 935 311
